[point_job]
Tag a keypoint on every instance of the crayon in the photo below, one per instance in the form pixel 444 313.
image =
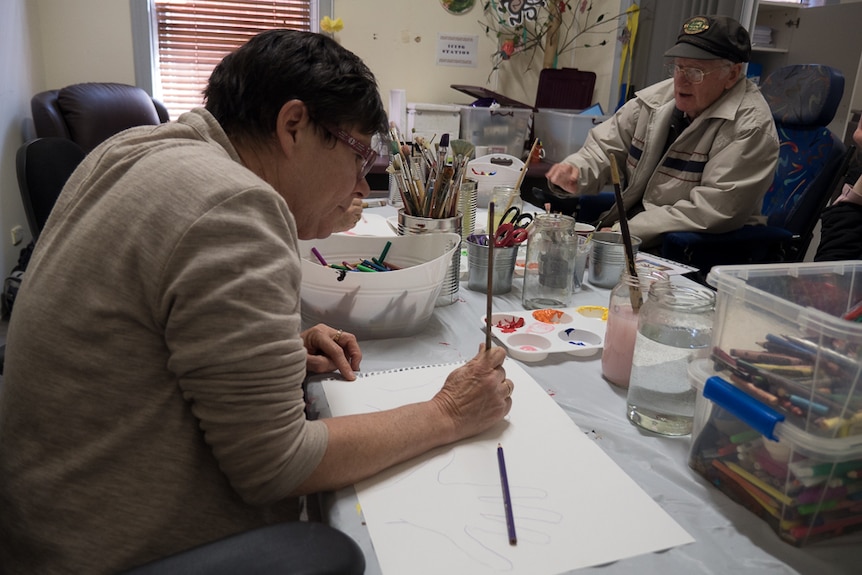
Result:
pixel 744 436
pixel 825 352
pixel 791 370
pixel 757 482
pixel 758 393
pixel 802 469
pixel 756 356
pixel 813 495
pixel 838 525
pixel 769 465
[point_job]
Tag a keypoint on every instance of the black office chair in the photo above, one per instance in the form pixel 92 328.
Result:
pixel 90 112
pixel 295 548
pixel 43 165
pixel 803 99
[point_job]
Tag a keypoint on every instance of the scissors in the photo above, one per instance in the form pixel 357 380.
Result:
pixel 512 229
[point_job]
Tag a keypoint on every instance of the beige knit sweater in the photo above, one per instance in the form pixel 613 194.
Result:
pixel 153 389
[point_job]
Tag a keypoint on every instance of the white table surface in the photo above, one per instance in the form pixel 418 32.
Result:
pixel 729 539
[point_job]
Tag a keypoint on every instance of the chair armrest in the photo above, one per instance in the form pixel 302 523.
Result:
pixel 749 244
pixel 47 118
pixel 298 548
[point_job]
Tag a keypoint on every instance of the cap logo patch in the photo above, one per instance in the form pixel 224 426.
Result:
pixel 696 25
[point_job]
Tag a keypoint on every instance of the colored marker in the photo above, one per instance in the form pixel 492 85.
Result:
pixel 385 251
pixel 318 256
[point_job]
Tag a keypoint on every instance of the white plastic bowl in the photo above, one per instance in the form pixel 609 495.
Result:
pixel 375 305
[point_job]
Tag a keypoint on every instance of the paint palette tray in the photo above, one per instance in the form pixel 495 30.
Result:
pixel 530 335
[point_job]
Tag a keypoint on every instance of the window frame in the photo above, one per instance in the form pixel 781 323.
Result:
pixel 145 39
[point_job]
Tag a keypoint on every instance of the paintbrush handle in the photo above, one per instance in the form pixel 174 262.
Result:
pixel 489 294
pixel 634 293
pixel 526 166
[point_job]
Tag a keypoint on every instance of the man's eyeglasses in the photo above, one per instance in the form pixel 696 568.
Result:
pixel 693 75
pixel 368 154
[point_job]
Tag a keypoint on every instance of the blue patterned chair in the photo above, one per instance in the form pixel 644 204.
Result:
pixel 803 99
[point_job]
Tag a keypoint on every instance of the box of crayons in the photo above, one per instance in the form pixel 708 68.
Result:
pixel 778 421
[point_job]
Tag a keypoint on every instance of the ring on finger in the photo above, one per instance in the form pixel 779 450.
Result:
pixel 337 335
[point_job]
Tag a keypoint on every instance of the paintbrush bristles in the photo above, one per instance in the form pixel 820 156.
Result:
pixel 428 181
pixel 461 148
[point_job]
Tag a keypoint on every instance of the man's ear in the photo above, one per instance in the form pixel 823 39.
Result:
pixel 733 77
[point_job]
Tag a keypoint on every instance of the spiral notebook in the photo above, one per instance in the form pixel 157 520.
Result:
pixel 443 512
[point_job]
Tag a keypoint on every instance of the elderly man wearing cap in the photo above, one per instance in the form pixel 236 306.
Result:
pixel 697 151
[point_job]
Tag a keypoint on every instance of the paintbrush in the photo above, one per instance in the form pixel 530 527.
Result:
pixel 489 294
pixel 634 292
pixel 442 152
pixel 461 149
pixel 526 165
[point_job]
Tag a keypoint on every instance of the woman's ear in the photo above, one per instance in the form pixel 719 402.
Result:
pixel 292 120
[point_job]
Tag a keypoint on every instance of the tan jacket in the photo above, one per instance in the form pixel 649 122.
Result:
pixel 714 176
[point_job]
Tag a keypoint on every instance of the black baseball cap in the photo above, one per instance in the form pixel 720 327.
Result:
pixel 712 38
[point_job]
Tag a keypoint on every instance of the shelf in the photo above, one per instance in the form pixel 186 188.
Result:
pixel 769 3
pixel 767 49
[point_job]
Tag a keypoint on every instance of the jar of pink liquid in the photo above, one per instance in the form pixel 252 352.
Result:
pixel 622 328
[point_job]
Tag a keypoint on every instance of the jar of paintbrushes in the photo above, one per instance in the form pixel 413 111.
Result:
pixel 429 180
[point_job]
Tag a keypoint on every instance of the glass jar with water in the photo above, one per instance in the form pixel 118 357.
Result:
pixel 549 269
pixel 674 328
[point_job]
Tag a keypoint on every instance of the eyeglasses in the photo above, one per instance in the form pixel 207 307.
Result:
pixel 693 75
pixel 368 154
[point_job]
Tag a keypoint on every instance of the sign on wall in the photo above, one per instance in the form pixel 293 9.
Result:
pixel 457 50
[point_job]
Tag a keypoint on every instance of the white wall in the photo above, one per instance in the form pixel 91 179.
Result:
pixel 398 41
pixel 52 43
pixel 21 70
pixel 86 41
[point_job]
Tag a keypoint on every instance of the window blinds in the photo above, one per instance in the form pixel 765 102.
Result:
pixel 193 36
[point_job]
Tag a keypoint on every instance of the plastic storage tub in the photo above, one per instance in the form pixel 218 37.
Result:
pixel 778 421
pixel 502 130
pixel 430 120
pixel 563 132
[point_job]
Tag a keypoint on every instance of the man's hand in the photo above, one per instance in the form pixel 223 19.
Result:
pixel 565 177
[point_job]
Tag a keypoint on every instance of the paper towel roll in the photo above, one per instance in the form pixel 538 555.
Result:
pixel 398 109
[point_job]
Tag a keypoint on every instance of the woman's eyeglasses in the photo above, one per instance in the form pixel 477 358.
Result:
pixel 368 154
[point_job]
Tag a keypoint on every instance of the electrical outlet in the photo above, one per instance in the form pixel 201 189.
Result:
pixel 17 235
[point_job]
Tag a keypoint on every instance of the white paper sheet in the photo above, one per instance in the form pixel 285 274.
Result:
pixel 443 512
pixel 371 225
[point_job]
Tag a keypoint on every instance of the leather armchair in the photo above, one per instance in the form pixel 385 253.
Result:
pixel 43 165
pixel 89 113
